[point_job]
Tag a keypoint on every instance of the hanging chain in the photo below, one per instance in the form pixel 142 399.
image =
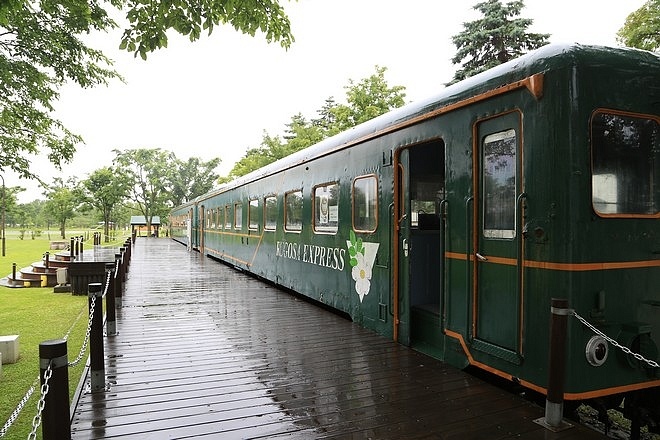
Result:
pixel 19 408
pixel 621 347
pixel 83 348
pixel 36 421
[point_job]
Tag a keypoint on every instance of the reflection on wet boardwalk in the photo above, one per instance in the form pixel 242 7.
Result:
pixel 204 351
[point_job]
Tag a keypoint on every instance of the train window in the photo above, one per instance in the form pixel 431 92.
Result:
pixel 326 208
pixel 238 216
pixel 253 215
pixel 293 206
pixel 499 192
pixel 365 203
pixel 208 218
pixel 214 216
pixel 270 213
pixel 227 217
pixel 625 164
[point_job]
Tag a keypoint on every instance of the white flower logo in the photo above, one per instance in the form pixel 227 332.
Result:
pixel 362 275
pixel 362 260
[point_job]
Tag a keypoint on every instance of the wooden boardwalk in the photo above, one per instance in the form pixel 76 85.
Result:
pixel 206 352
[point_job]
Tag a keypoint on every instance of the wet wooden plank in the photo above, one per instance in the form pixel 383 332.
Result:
pixel 204 351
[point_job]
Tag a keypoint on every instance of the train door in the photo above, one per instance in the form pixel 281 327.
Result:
pixel 201 219
pixel 419 195
pixel 497 237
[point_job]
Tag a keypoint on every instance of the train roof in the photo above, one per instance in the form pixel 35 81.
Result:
pixel 546 58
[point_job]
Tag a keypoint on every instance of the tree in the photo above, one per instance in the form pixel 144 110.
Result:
pixel 494 39
pixel 370 97
pixel 642 27
pixel 193 179
pixel 105 189
pixel 149 170
pixel 367 99
pixel 61 202
pixel 41 49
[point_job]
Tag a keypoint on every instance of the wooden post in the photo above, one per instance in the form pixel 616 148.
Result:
pixel 110 313
pixel 55 419
pixel 96 350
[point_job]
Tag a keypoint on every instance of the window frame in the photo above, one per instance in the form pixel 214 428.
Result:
pixel 228 218
pixel 328 230
pixel 374 177
pixel 253 218
pixel 267 225
pixel 288 228
pixel 238 216
pixel 628 115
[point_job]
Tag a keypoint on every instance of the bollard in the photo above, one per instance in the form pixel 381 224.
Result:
pixel 13 271
pixel 124 263
pixel 82 243
pixel 55 418
pixel 71 248
pixel 110 315
pixel 96 351
pixel 118 282
pixel 554 404
pixel 47 263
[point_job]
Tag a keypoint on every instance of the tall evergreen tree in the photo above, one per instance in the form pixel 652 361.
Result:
pixel 494 39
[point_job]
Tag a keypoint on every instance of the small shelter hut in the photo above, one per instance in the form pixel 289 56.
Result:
pixel 139 226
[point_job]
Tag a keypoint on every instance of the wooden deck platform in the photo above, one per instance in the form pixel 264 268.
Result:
pixel 204 351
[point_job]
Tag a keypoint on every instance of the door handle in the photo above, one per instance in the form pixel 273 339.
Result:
pixel 481 257
pixel 405 247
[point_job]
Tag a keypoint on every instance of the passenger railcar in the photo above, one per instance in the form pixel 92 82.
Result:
pixel 449 224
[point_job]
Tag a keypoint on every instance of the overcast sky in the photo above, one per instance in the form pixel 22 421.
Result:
pixel 215 97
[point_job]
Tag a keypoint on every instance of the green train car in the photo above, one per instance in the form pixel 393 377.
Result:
pixel 450 224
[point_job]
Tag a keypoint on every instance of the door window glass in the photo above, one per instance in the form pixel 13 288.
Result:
pixel 365 204
pixel 499 185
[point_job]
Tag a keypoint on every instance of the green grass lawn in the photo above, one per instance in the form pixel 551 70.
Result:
pixel 36 314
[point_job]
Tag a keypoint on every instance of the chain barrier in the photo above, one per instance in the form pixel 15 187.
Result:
pixel 36 421
pixel 621 347
pixel 19 408
pixel 83 348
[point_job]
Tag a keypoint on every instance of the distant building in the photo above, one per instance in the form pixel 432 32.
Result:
pixel 139 226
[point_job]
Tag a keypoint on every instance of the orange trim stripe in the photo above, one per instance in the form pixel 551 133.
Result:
pixel 567 396
pixel 568 267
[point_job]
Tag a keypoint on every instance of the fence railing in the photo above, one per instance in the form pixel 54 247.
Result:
pixel 53 413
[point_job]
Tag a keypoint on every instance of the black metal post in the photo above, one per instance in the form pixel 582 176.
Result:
pixel 82 241
pixel 55 418
pixel 554 404
pixel 71 248
pixel 96 350
pixel 118 281
pixel 13 271
pixel 124 261
pixel 47 263
pixel 110 315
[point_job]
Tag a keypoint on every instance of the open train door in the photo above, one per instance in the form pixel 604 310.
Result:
pixel 419 195
pixel 201 219
pixel 497 238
